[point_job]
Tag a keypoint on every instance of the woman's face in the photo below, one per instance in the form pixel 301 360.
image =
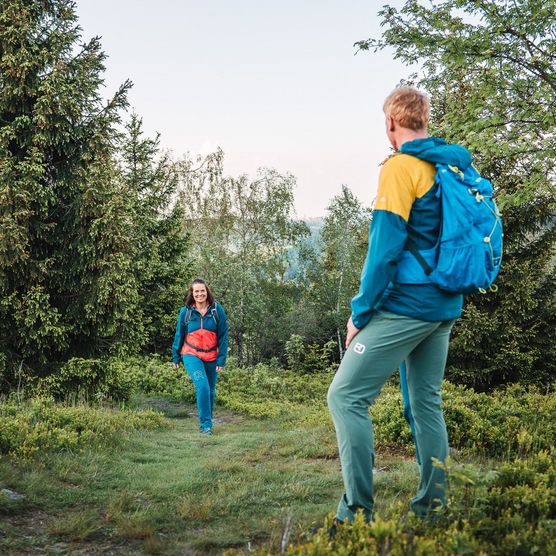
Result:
pixel 199 293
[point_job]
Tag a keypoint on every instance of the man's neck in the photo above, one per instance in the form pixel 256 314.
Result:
pixel 404 135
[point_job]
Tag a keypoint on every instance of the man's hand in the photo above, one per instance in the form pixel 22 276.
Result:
pixel 352 331
pixel 218 369
pixel 176 365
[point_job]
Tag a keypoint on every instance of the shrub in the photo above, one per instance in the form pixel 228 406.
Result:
pixel 295 351
pixel 262 391
pixel 501 424
pixel 154 375
pixel 507 512
pixel 40 425
pixel 308 358
pixel 87 380
pixel 115 379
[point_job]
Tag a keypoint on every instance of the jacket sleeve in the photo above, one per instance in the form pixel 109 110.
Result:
pixel 222 333
pixel 387 238
pixel 179 337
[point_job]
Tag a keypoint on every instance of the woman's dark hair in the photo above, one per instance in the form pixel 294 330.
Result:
pixel 189 300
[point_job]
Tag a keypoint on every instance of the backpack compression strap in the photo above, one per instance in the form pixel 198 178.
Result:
pixel 420 259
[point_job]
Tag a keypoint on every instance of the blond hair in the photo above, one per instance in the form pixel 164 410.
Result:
pixel 409 107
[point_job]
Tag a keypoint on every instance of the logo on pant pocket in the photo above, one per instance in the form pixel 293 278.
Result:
pixel 359 348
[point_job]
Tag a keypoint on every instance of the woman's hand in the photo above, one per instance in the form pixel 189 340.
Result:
pixel 352 331
pixel 176 365
pixel 218 369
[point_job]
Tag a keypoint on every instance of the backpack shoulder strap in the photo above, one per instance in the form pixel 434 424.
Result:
pixel 187 316
pixel 214 313
pixel 410 245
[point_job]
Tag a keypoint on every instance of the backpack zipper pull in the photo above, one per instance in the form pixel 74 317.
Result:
pixel 456 170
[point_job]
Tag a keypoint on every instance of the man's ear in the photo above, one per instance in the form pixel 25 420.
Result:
pixel 390 123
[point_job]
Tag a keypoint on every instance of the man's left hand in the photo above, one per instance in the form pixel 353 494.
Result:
pixel 352 331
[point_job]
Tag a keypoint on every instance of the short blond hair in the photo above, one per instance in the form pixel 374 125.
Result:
pixel 409 107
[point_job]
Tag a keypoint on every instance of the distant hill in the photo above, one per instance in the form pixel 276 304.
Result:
pixel 315 225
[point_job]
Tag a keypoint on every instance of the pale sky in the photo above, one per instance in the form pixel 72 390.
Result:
pixel 274 83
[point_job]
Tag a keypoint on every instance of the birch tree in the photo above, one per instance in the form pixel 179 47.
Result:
pixel 240 230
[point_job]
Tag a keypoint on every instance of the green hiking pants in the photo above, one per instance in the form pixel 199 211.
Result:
pixel 373 355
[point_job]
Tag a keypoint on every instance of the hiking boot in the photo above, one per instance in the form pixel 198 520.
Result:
pixel 332 529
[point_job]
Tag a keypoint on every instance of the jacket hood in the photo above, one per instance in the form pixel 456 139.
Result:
pixel 437 151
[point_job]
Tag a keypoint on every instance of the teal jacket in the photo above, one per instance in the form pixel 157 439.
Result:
pixel 407 209
pixel 205 332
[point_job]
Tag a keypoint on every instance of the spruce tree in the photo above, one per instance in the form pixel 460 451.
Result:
pixel 151 184
pixel 67 285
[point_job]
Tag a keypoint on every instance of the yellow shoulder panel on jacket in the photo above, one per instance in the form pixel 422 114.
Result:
pixel 403 179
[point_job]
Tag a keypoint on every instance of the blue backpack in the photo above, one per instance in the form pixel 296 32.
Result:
pixel 468 254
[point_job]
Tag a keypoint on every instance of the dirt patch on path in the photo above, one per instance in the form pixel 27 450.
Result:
pixel 176 410
pixel 173 410
pixel 29 536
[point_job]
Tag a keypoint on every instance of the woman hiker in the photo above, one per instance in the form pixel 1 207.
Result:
pixel 201 341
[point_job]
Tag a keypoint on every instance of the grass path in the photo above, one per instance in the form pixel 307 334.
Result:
pixel 175 491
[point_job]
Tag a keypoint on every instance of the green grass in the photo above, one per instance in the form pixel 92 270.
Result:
pixel 271 468
pixel 174 491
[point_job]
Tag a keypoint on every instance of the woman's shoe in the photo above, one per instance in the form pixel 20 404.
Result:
pixel 206 431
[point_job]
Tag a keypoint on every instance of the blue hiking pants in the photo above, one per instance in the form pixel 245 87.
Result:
pixel 204 377
pixel 374 353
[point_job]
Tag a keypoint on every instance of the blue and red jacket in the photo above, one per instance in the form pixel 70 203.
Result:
pixel 205 336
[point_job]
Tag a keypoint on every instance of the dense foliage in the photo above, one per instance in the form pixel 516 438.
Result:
pixel 151 184
pixel 91 237
pixel 64 265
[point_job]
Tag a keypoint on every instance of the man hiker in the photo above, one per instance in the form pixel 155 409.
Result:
pixel 394 320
